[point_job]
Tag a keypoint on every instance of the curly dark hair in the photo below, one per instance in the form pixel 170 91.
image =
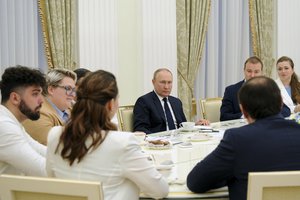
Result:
pixel 20 76
pixel 90 117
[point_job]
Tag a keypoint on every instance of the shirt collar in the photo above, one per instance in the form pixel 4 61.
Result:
pixel 160 97
pixel 59 112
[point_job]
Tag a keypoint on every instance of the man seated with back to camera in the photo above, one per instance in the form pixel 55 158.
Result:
pixel 159 111
pixel 268 143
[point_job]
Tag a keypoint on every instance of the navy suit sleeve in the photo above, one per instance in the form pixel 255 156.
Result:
pixel 141 117
pixel 227 108
pixel 215 170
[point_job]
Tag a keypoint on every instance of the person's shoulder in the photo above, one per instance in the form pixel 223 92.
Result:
pixel 242 130
pixel 6 115
pixel 279 83
pixel 174 98
pixel 54 133
pixel 146 99
pixel 289 123
pixel 47 107
pixel 234 87
pixel 121 139
pixel 120 135
pixel 146 96
pixel 238 84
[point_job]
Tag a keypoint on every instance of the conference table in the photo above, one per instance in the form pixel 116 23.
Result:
pixel 186 149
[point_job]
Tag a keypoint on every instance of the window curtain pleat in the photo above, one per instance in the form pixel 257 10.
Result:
pixel 59 24
pixel 192 20
pixel 262 31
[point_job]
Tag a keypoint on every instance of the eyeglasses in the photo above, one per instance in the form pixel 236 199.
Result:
pixel 69 90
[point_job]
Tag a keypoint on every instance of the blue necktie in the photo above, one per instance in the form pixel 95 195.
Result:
pixel 169 117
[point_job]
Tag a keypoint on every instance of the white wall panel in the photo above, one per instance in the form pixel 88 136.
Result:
pixel 159 39
pixel 288 30
pixel 98 34
pixel 131 38
pixel 18 33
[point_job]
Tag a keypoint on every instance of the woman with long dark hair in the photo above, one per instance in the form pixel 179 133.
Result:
pixel 90 148
pixel 288 83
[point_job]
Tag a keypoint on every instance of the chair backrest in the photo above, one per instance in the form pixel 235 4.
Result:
pixel 13 187
pixel 274 185
pixel 125 118
pixel 210 108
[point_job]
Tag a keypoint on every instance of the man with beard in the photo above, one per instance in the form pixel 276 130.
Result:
pixel 21 90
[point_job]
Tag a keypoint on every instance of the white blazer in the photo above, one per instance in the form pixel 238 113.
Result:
pixel 287 100
pixel 118 163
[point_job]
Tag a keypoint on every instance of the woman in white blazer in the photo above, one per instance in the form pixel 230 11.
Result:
pixel 288 83
pixel 90 148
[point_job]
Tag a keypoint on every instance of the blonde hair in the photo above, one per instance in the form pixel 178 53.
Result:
pixel 55 76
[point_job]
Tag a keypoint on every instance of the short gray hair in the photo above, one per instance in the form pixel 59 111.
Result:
pixel 159 70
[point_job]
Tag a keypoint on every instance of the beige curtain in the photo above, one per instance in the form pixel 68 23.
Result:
pixel 192 19
pixel 59 22
pixel 262 29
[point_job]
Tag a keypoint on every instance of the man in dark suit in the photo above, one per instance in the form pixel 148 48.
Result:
pixel 267 143
pixel 230 109
pixel 158 111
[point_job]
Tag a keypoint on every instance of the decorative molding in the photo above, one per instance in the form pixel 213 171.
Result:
pixel 159 39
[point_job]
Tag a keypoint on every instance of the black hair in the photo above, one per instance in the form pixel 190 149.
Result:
pixel 19 76
pixel 260 97
pixel 81 72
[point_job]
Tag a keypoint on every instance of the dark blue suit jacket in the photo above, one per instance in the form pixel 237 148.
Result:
pixel 270 144
pixel 149 115
pixel 230 108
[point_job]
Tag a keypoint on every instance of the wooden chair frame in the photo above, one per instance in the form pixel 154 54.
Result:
pixel 123 112
pixel 204 110
pixel 14 187
pixel 274 185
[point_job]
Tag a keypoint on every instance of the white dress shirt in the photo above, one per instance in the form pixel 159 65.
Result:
pixel 286 98
pixel 19 153
pixel 118 163
pixel 170 107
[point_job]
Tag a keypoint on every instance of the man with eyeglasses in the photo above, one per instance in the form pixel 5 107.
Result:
pixel 59 95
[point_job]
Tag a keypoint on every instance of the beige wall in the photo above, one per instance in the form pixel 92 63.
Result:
pixel 129 51
pixel 130 38
pixel 288 31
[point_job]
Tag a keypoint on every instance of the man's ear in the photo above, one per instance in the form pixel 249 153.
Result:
pixel 245 113
pixel 50 89
pixel 15 98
